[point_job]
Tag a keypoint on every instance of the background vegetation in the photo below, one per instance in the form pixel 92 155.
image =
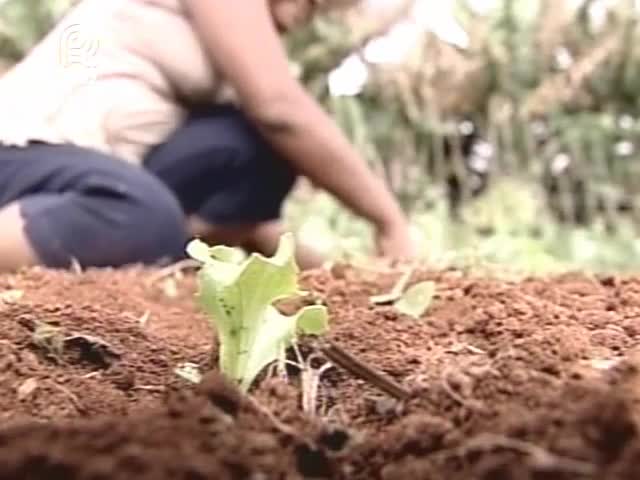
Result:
pixel 519 147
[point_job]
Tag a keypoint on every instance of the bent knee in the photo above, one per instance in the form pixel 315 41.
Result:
pixel 109 219
pixel 159 223
pixel 150 219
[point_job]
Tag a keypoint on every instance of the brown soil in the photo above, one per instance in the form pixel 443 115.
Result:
pixel 528 380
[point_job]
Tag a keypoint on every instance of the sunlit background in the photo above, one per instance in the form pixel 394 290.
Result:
pixel 507 128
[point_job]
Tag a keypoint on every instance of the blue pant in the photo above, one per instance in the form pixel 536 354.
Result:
pixel 84 205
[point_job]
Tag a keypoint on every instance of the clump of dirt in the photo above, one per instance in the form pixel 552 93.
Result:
pixel 518 380
pixel 211 433
pixel 81 345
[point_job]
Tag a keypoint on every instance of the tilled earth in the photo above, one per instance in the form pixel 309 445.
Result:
pixel 507 380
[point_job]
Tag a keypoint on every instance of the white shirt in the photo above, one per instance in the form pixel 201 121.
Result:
pixel 113 75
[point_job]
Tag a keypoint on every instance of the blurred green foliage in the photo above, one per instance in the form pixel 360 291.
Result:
pixel 546 178
pixel 24 22
pixel 549 177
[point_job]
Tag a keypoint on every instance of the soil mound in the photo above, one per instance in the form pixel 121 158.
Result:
pixel 505 380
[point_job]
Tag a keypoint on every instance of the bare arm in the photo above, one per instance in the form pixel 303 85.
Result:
pixel 249 52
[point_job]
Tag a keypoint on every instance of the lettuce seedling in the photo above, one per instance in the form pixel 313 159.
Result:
pixel 238 293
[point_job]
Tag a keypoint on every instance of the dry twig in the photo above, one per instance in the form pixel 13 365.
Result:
pixel 150 388
pixel 465 347
pixel 357 367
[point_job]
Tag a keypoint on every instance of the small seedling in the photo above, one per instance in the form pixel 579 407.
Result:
pixel 396 292
pixel 416 300
pixel 310 379
pixel 239 292
pixel 49 338
pixel 413 301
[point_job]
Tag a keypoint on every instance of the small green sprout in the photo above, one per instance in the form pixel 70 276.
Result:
pixel 413 301
pixel 238 293
pixel 416 300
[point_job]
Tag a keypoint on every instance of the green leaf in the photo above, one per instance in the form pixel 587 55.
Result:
pixel 313 320
pixel 198 250
pixel 417 299
pixel 228 254
pixel 239 298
